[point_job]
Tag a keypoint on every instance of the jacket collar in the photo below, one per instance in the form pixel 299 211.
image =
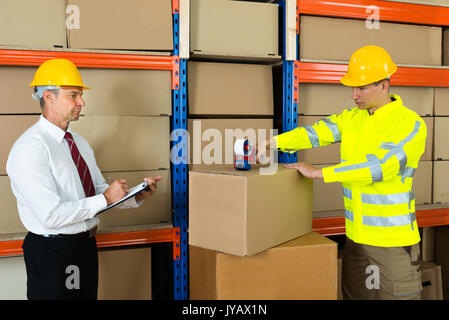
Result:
pixel 389 107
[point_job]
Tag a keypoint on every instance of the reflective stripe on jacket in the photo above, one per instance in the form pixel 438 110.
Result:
pixel 379 156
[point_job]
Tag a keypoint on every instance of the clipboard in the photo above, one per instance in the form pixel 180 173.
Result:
pixel 132 192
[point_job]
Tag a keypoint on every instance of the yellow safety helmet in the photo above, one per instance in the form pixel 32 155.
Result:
pixel 58 72
pixel 367 65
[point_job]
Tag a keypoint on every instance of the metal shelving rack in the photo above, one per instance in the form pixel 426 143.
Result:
pixel 177 234
pixel 309 72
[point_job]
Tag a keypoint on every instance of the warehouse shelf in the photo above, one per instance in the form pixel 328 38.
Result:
pixel 176 233
pixel 116 239
pixel 388 11
pixel 331 72
pixel 330 226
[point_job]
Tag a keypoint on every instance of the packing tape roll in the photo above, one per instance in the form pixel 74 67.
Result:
pixel 239 148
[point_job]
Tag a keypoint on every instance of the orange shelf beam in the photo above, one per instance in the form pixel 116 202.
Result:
pixel 387 11
pixel 9 248
pixel 94 60
pixel 310 72
pixel 426 218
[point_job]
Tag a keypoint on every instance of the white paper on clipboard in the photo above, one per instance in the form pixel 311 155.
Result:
pixel 132 192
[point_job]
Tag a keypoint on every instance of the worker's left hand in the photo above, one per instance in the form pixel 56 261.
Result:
pixel 307 170
pixel 152 183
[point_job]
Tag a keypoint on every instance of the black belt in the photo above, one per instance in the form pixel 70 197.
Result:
pixel 82 235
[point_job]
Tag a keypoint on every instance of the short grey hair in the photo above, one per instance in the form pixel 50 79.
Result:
pixel 39 93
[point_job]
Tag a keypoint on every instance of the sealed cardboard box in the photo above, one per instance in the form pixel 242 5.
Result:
pixel 127 92
pixel 244 28
pixel 427 235
pixel 442 256
pixel 326 99
pixel 327 196
pixel 114 24
pixel 33 24
pixel 428 151
pixel 442 101
pixel 303 268
pixel 154 210
pixel 16 92
pixel 441 147
pixel 9 219
pixel 431 282
pixel 127 143
pixel 245 212
pixel 124 274
pixel 440 179
pixel 422 183
pixel 11 128
pixel 230 89
pixel 339 38
pixel 446 46
pixel 212 140
pixel 322 155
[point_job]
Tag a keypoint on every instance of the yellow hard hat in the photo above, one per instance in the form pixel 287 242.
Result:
pixel 367 65
pixel 58 72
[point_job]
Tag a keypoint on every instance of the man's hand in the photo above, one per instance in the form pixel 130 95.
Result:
pixel 152 184
pixel 261 150
pixel 306 170
pixel 117 190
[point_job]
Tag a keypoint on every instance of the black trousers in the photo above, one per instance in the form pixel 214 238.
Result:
pixel 61 268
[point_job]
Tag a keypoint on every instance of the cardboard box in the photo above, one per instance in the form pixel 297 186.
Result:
pixel 322 155
pixel 230 89
pixel 33 24
pixel 16 92
pixel 246 212
pixel 428 151
pixel 11 128
pixel 442 101
pixel 326 99
pixel 154 210
pixel 215 136
pixel 124 274
pixel 441 132
pixel 244 28
pixel 431 282
pixel 427 243
pixel 304 268
pixel 440 179
pixel 339 38
pixel 127 143
pixel 327 196
pixel 127 92
pixel 9 219
pixel 442 257
pixel 422 183
pixel 114 24
pixel 446 47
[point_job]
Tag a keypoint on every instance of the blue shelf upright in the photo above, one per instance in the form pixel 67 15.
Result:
pixel 179 168
pixel 289 89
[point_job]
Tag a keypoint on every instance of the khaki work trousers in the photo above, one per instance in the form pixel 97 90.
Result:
pixel 379 273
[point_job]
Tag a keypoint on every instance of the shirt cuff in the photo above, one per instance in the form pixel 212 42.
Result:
pixel 329 175
pixel 98 203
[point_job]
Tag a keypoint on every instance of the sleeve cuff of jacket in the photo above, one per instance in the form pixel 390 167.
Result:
pixel 279 141
pixel 329 175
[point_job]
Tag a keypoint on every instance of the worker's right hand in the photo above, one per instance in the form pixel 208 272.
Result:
pixel 117 190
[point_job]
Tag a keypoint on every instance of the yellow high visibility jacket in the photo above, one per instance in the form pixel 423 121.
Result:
pixel 379 156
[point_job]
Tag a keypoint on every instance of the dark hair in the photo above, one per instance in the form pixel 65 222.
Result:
pixel 380 81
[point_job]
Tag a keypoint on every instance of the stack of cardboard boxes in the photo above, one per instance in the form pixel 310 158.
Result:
pixel 126 119
pixel 249 233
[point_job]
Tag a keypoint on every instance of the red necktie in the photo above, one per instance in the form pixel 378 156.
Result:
pixel 81 165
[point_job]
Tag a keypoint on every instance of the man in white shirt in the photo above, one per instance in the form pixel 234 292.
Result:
pixel 60 189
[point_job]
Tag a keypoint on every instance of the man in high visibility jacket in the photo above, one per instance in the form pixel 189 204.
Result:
pixel 381 144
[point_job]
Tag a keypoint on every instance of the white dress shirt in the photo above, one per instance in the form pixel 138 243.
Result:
pixel 46 183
